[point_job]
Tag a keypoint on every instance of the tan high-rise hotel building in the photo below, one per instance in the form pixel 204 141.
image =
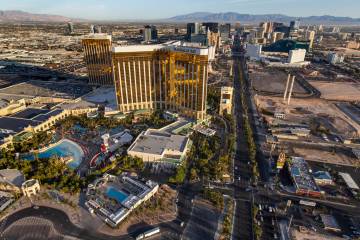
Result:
pixel 97 56
pixel 169 76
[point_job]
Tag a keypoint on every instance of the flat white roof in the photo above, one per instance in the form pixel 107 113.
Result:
pixel 137 48
pixel 349 180
pixel 173 46
pixel 98 36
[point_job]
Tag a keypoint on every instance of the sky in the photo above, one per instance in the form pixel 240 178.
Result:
pixel 159 9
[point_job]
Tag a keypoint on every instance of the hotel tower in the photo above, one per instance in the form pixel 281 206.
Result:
pixel 170 76
pixel 97 56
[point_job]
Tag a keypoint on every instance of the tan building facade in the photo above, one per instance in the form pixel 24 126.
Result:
pixel 168 77
pixel 226 100
pixel 97 56
pixel 30 187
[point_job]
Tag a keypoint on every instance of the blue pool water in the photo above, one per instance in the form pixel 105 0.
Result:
pixel 64 148
pixel 119 196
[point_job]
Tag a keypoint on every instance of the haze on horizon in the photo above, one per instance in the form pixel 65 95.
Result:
pixel 159 9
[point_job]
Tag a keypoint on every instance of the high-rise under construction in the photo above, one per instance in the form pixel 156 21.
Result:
pixel 97 56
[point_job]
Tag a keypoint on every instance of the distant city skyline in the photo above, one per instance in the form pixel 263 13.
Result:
pixel 159 9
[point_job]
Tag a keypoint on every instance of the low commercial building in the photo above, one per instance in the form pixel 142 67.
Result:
pixel 156 146
pixel 253 51
pixel 323 178
pixel 302 178
pixel 330 223
pixel 296 56
pixel 30 187
pixel 335 58
pixel 279 114
pixel 351 184
pixel 300 132
pixel 113 198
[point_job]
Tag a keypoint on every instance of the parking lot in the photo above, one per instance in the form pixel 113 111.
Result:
pixel 35 88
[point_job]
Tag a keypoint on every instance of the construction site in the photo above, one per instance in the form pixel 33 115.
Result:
pixel 312 111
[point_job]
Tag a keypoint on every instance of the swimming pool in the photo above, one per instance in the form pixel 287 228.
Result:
pixel 63 148
pixel 118 195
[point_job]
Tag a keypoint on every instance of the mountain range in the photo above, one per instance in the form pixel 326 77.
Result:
pixel 249 18
pixel 21 16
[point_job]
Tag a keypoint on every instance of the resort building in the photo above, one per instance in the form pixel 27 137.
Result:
pixel 171 76
pixel 115 141
pixel 30 187
pixel 113 198
pixel 155 146
pixel 19 126
pixel 21 119
pixel 97 56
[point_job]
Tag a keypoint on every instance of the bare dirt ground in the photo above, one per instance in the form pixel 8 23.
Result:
pixel 304 110
pixel 341 91
pixel 273 81
pixel 311 235
pixel 317 155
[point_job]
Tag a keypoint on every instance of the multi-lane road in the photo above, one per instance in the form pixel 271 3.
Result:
pixel 242 228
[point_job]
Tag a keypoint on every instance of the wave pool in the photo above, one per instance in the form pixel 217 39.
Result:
pixel 64 148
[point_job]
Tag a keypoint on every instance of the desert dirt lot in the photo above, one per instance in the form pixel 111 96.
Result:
pixel 306 110
pixel 317 155
pixel 342 91
pixel 273 81
pixel 311 235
